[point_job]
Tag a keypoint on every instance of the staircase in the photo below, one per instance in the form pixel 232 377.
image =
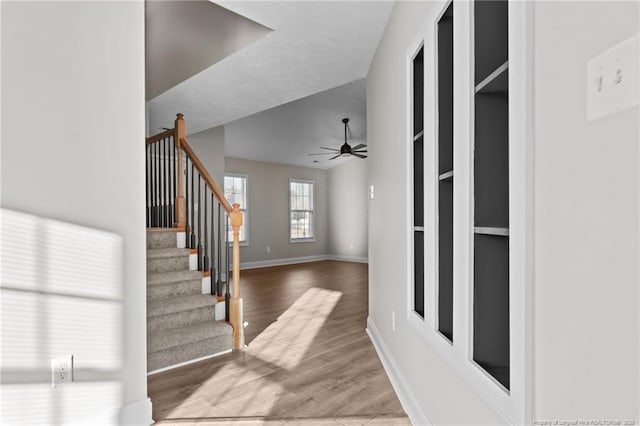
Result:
pixel 181 322
pixel 191 311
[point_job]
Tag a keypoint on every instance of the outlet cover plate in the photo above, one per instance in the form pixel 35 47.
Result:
pixel 613 80
pixel 61 370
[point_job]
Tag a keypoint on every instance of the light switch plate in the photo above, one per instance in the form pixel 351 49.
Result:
pixel 613 80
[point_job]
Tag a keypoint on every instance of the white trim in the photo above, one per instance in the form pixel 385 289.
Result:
pixel 414 47
pixel 303 259
pixel 181 239
pixel 411 405
pixel 345 258
pixel 206 284
pixel 182 364
pixel 285 261
pixel 136 413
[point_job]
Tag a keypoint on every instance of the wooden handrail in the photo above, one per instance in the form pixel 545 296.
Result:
pixel 205 175
pixel 156 138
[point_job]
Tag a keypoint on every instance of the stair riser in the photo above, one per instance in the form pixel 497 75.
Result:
pixel 180 319
pixel 160 240
pixel 168 264
pixel 165 291
pixel 183 353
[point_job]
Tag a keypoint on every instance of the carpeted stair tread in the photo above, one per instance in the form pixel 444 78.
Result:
pixel 162 278
pixel 180 319
pixel 158 238
pixel 182 336
pixel 166 253
pixel 176 289
pixel 178 304
pixel 188 352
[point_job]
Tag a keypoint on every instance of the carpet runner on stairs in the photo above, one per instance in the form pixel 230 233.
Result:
pixel 181 323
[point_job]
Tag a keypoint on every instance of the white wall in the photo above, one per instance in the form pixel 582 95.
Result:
pixel 209 147
pixel 586 222
pixel 72 148
pixel 439 390
pixel 268 216
pixel 348 205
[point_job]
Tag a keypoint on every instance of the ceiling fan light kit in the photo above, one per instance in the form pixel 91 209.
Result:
pixel 346 149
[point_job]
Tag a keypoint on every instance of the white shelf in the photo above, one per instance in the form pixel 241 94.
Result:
pixel 445 176
pixel 419 135
pixel 493 76
pixel 418 228
pixel 502 232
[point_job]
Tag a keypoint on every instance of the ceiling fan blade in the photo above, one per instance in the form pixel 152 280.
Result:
pixel 358 155
pixel 332 158
pixel 322 153
pixel 359 146
pixel 330 149
pixel 359 151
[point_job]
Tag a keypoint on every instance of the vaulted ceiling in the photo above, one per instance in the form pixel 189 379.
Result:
pixel 290 50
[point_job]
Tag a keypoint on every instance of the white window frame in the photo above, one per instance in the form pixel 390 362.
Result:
pixel 243 209
pixel 513 405
pixel 313 211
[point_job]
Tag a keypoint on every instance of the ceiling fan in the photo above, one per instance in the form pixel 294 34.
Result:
pixel 345 149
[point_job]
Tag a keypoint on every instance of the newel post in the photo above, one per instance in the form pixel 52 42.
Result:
pixel 180 204
pixel 235 304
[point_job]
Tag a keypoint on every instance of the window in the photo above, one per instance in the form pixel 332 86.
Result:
pixel 235 190
pixel 301 210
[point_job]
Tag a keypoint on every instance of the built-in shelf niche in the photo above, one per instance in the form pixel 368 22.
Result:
pixel 445 172
pixel 418 182
pixel 491 191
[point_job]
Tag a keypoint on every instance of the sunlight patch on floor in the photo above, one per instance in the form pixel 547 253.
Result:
pixel 285 342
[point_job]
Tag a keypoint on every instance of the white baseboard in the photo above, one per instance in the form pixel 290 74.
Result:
pixel 410 404
pixel 136 414
pixel 182 364
pixel 345 258
pixel 304 259
pixel 278 262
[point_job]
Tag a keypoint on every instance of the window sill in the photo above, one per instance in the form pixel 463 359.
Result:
pixel 301 240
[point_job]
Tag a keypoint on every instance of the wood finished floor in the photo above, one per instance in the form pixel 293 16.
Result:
pixel 309 360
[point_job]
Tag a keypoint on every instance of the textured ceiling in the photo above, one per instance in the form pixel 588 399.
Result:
pixel 289 133
pixel 314 46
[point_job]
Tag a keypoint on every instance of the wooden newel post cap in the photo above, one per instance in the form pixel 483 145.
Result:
pixel 236 216
pixel 180 116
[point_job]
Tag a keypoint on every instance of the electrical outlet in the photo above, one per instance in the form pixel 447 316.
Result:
pixel 61 370
pixel 371 192
pixel 393 320
pixel 268 249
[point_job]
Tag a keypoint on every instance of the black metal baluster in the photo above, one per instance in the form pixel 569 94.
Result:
pixel 155 183
pixel 199 224
pixel 187 229
pixel 219 257
pixel 213 248
pixel 175 177
pixel 165 181
pixel 161 179
pixel 227 295
pixel 146 182
pixel 193 221
pixel 205 258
